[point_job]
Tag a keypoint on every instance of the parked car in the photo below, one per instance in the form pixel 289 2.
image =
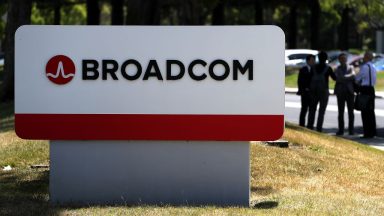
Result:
pixel 378 62
pixel 334 54
pixel 351 60
pixel 296 57
pixel 357 62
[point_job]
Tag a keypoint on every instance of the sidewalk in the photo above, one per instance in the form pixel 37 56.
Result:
pixel 377 142
pixel 379 94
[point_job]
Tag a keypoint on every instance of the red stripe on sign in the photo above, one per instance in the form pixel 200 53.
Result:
pixel 149 127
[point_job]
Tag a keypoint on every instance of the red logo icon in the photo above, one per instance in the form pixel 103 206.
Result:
pixel 60 69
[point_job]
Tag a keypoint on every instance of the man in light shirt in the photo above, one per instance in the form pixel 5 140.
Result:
pixel 366 78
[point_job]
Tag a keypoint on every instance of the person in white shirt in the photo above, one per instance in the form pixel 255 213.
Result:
pixel 366 79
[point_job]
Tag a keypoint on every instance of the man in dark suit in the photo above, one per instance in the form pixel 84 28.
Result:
pixel 319 89
pixel 303 83
pixel 345 77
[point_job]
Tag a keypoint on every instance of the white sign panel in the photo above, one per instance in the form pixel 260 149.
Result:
pixel 150 82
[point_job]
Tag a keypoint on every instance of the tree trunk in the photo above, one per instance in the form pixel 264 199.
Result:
pixel 57 15
pixel 343 30
pixel 117 12
pixel 189 12
pixel 259 16
pixel 218 17
pixel 19 13
pixel 314 24
pixel 143 12
pixel 93 12
pixel 292 27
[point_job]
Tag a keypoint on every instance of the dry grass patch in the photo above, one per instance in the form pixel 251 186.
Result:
pixel 320 173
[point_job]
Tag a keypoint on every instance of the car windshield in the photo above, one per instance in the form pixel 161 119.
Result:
pixel 333 55
pixel 297 56
pixel 350 58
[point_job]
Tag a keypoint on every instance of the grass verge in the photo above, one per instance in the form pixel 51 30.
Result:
pixel 291 81
pixel 7 117
pixel 317 175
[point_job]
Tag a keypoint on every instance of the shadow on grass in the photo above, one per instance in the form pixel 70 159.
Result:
pixel 25 193
pixel 266 205
pixel 7 122
pixel 264 191
pixel 149 204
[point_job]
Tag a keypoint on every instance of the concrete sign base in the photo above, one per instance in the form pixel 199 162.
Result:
pixel 150 172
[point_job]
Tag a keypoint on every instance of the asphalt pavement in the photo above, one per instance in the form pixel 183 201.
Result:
pixel 330 126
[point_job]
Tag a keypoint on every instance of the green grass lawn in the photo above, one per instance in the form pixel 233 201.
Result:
pixel 380 81
pixel 317 175
pixel 291 81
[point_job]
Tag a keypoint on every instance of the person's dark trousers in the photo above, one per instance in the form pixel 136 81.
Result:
pixel 305 101
pixel 368 115
pixel 343 99
pixel 317 98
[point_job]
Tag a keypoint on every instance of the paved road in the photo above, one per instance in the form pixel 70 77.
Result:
pixel 292 110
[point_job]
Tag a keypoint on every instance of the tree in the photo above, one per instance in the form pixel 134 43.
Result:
pixel 314 23
pixel 117 12
pixel 344 28
pixel 93 12
pixel 259 15
pixel 143 12
pixel 19 13
pixel 292 39
pixel 218 16
pixel 3 12
pixel 190 12
pixel 372 12
pixel 78 14
pixel 57 14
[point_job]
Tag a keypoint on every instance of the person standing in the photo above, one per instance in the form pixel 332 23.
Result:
pixel 366 79
pixel 345 78
pixel 319 89
pixel 303 83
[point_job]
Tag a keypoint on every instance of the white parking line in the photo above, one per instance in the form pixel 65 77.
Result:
pixel 332 108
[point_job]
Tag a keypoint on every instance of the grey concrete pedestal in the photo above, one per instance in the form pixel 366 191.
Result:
pixel 149 172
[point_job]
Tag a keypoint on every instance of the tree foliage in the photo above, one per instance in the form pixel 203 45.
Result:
pixel 371 13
